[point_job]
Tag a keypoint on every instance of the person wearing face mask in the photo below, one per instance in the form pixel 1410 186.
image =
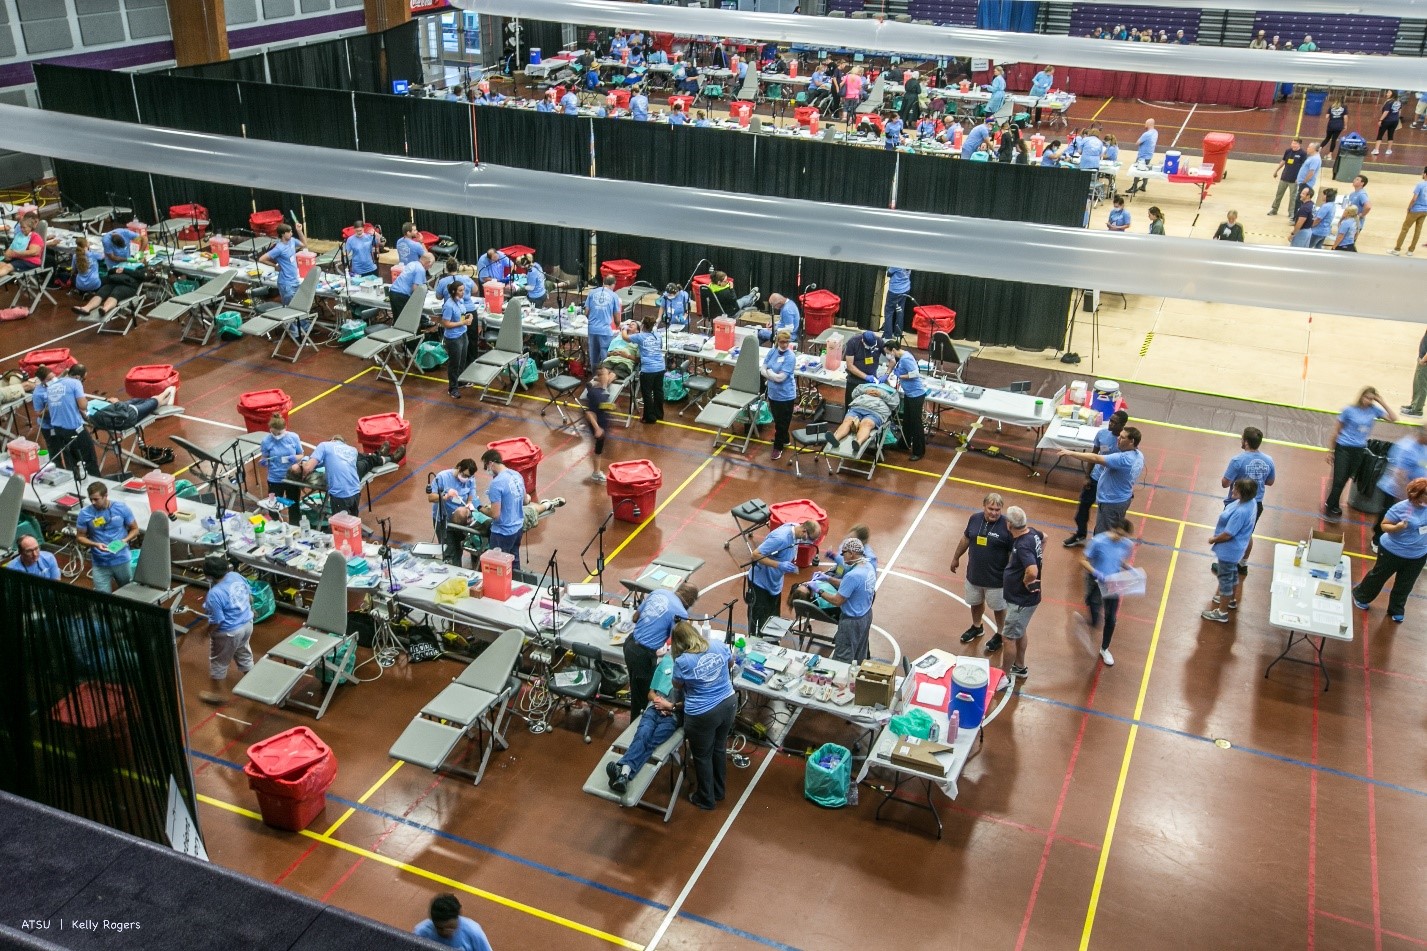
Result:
pixel 903 370
pixel 777 370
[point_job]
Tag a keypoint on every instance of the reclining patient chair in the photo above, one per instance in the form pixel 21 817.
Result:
pixel 741 399
pixel 387 346
pixel 478 700
pixel 153 577
pixel 198 309
pixel 669 753
pixel 504 359
pixel 323 642
pixel 296 320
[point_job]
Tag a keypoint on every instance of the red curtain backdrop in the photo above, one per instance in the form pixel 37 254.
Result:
pixel 1124 85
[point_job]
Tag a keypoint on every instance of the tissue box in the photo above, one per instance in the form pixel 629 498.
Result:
pixel 1325 548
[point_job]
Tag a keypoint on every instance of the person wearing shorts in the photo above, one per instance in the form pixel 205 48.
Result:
pixel 1231 537
pixel 987 540
pixel 1022 586
pixel 596 405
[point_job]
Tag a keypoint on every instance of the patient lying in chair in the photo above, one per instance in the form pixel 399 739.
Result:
pixel 872 406
pixel 656 724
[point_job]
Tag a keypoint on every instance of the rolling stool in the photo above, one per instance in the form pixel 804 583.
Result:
pixel 749 517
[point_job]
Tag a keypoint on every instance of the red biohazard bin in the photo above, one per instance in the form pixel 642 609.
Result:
pixel 819 309
pixel 372 431
pixel 57 359
pixel 934 318
pixel 740 110
pixel 621 98
pixel 367 228
pixel 634 489
pixel 428 240
pixel 696 292
pixel 190 211
pixel 1217 146
pixel 96 715
pixel 804 114
pixel 258 407
pixel 686 101
pixel 291 773
pixel 515 252
pixel 799 510
pixel 265 222
pixel 523 456
pixel 149 381
pixel 624 272
pixel 496 568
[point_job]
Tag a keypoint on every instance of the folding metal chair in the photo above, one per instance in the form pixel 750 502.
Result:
pixel 559 384
pixel 386 344
pixel 299 314
pixel 749 517
pixel 198 309
pixel 949 356
pixel 738 403
pixel 34 284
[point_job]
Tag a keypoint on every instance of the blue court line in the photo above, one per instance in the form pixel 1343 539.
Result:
pixel 528 863
pixel 1265 754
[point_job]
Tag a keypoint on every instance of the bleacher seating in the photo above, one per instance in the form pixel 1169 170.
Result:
pixel 1085 17
pixel 846 6
pixel 1332 33
pixel 944 12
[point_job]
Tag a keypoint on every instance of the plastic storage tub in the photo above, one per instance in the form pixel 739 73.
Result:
pixel 933 318
pixel 150 381
pixel 57 359
pixel 372 431
pixel 624 272
pixel 633 489
pixel 258 407
pixel 799 510
pixel 820 307
pixel 523 456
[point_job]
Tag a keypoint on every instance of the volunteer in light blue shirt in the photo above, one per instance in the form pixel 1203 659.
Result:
pixel 908 376
pixel 1322 225
pixel 1147 143
pixel 677 117
pixel 639 107
pixel 547 104
pixel 281 450
pixel 106 528
pixel 86 266
pixel 779 364
pixel 892 133
pixel 1092 150
pixel 410 282
pixel 1402 554
pixel 494 266
pixel 854 599
pixel 453 275
pixel 34 560
pixel 505 505
pixel 570 103
pixel 1250 464
pixel 283 257
pixel 63 397
pixel 1042 81
pixel 701 674
pixel 788 318
pixel 409 247
pixel 1233 530
pixel 1406 462
pixel 535 290
pixel 456 318
pixel 1119 217
pixel 1312 165
pixel 654 621
pixel 455 490
pixel 1349 441
pixel 774 558
pixel 229 606
pixel 1106 554
pixel 674 306
pixel 361 250
pixel 602 306
pixel 977 136
pixel 339 462
pixel 448 928
pixel 1419 197
pixel 1119 472
pixel 119 244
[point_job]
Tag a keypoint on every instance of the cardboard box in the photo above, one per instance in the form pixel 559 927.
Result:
pixel 1325 548
pixel 920 755
pixel 875 684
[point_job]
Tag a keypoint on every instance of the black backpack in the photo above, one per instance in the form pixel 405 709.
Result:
pixel 116 417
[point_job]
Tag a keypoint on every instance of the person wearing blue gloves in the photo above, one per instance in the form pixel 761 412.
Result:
pixel 602 307
pixel 505 505
pixel 535 289
pixel 674 306
pixel 494 266
pixel 283 257
pixel 281 450
pixel 773 559
pixel 1040 87
pixel 652 367
pixel 454 497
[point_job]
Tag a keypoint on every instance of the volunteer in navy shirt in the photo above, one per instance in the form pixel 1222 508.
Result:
pixel 654 622
pixel 453 496
pixel 1402 555
pixel 362 249
pixel 283 257
pixel 1387 121
pixel 229 606
pixel 602 306
pixel 701 674
pixel 505 505
pixel 1232 533
pixel 106 527
pixel 34 560
pixel 907 377
pixel 1021 584
pixel 778 367
pixel 1349 441
pixel 1254 464
pixel 987 540
pixel 651 367
pixel 455 337
pixel 1287 173
pixel 860 357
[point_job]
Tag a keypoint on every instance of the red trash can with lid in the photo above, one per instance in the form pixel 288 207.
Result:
pixel 291 773
pixel 686 101
pixel 372 431
pixel 799 510
pixel 258 407
pixel 523 456
pixel 57 359
pixel 696 292
pixel 820 307
pixel 149 381
pixel 1216 152
pixel 265 222
pixel 515 252
pixel 624 272
pixel 633 489
pixel 933 318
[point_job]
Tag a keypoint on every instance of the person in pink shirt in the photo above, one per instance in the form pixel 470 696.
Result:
pixel 852 85
pixel 26 250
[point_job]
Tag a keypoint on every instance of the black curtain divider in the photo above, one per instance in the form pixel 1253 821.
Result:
pixel 321 117
pixel 543 141
pixel 228 205
pixel 195 105
pixel 245 69
pixel 461 228
pixel 544 35
pixel 389 218
pixel 436 129
pixel 84 185
pixel 96 93
pixel 289 203
pixel 566 248
pixel 672 262
pixel 822 171
pixel 364 51
pixel 402 46
pixel 986 190
pixel 689 157
pixel 326 217
pixel 381 123
pixel 999 313
pixel 316 65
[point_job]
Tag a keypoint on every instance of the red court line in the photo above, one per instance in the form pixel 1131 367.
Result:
pixel 202 723
pixel 231 743
pixel 1059 809
pixel 1367 927
pixel 1372 789
pixel 1349 665
pixel 1313 823
pixel 376 846
pixel 296 862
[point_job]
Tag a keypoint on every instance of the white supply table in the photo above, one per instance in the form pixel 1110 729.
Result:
pixel 955 760
pixel 1308 603
pixel 369 291
pixel 799 693
pixel 1065 433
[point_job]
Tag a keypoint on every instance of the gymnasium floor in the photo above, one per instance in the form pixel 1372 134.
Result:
pixel 1177 800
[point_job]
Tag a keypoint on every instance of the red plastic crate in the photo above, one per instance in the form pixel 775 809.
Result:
pixel 804 114
pixel 148 381
pixel 372 431
pixel 624 272
pixel 797 510
pixel 696 292
pixel 523 456
pixel 57 359
pixel 93 706
pixel 688 102
pixel 515 252
pixel 258 407
pixel 428 240
pixel 265 222
pixel 190 211
pixel 634 476
pixel 288 753
pixel 620 97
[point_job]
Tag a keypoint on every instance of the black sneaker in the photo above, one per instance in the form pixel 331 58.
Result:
pixel 1020 671
pixel 993 645
pixel 1333 512
pixel 1074 541
pixel 612 771
pixel 971 634
pixel 621 780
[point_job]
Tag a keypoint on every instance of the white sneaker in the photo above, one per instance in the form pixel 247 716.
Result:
pixel 1374 151
pixel 1108 658
pixel 1389 151
pixel 598 477
pixel 1396 252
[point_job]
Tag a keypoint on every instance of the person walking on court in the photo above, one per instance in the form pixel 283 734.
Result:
pixel 1349 441
pixel 1419 381
pixel 987 539
pixel 1403 553
pixel 1022 585
pixel 1416 213
pixel 1119 470
pixel 1107 553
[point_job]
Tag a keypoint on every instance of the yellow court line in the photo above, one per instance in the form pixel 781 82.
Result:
pixel 364 797
pixel 331 390
pixel 1103 106
pixel 1129 749
pixel 1298 128
pixel 442 880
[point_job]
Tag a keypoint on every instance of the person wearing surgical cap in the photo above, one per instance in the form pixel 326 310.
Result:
pixel 854 597
pixel 860 358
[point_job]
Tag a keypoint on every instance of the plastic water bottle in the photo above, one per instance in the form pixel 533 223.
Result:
pixel 305 524
pixel 707 631
pixel 1338 572
pixel 1298 554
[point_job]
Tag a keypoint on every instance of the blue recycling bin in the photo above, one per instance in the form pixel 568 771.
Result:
pixel 1313 102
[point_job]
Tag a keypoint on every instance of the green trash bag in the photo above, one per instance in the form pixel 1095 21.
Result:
pixel 765 414
pixel 184 489
pixel 430 354
pixel 675 386
pixel 264 601
pixel 529 371
pixel 351 330
pixel 184 287
pixel 228 323
pixel 828 776
pixel 28 526
pixel 345 660
pixel 915 722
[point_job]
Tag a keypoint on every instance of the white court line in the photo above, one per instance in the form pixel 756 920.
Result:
pixel 688 888
pixel 211 422
pixel 1182 126
pixel 41 346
